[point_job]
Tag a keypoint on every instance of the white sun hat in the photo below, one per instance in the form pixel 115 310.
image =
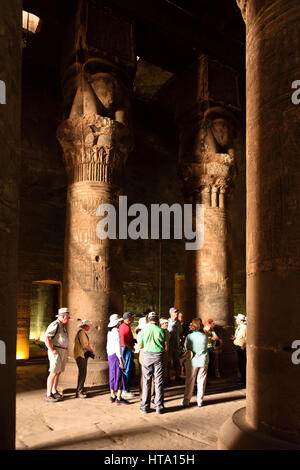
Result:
pixel 114 320
pixel 84 323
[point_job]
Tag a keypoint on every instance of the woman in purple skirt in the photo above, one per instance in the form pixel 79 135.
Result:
pixel 114 353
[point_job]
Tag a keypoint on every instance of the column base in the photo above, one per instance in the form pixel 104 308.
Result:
pixel 97 375
pixel 236 434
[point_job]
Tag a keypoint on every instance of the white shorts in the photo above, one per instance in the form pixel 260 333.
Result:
pixel 58 361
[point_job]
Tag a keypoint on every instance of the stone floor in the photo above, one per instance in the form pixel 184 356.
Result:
pixel 94 423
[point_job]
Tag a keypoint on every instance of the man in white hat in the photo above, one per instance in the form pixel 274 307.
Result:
pixel 239 342
pixel 57 341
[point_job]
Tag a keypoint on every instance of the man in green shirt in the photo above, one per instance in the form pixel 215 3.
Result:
pixel 154 342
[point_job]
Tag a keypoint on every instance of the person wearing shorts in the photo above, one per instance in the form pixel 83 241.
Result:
pixel 57 341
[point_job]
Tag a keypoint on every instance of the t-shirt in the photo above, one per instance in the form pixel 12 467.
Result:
pixel 197 342
pixel 175 329
pixel 240 336
pixel 113 345
pixel 153 338
pixel 126 334
pixel 58 334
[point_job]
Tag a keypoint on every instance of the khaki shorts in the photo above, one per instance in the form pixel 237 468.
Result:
pixel 58 361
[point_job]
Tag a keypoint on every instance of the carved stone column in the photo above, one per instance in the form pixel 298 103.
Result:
pixel 179 291
pixel 208 180
pixel 95 140
pixel 10 138
pixel 271 419
pixel 207 126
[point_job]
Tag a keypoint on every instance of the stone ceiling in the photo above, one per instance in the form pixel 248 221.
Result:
pixel 170 34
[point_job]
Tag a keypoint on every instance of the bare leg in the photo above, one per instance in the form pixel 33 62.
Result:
pixel 50 382
pixel 55 382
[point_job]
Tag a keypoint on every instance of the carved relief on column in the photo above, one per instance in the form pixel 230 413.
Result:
pixel 95 148
pixel 242 4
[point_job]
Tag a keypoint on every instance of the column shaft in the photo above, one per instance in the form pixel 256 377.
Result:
pixel 10 135
pixel 273 208
pixel 272 416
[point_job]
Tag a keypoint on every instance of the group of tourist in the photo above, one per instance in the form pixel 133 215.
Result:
pixel 161 344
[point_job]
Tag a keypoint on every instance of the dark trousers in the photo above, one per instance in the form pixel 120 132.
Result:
pixel 242 360
pixel 82 368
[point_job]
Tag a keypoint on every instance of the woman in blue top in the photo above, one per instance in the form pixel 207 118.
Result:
pixel 196 367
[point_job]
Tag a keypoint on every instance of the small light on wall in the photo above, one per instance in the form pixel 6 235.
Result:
pixel 31 25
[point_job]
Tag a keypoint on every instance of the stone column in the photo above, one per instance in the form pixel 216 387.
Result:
pixel 10 135
pixel 271 419
pixel 207 125
pixel 179 291
pixel 95 141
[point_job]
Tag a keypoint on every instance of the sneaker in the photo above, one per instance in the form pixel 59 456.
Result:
pixel 58 395
pixel 81 395
pixel 122 401
pixel 159 411
pixel 184 404
pixel 51 399
pixel 112 399
pixel 200 404
pixel 128 394
pixel 144 411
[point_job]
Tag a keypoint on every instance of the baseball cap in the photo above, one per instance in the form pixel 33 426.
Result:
pixel 152 316
pixel 128 315
pixel 173 310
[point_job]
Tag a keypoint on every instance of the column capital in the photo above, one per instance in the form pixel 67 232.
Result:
pixel 95 148
pixel 207 163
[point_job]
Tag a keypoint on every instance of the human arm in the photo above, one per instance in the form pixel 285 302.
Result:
pixel 49 345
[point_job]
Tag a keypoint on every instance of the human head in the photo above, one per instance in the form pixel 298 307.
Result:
pixel 114 320
pixel 141 324
pixel 128 318
pixel 63 315
pixel 240 318
pixel 180 317
pixel 196 324
pixel 153 317
pixel 209 324
pixel 85 325
pixel 173 313
pixel 163 322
